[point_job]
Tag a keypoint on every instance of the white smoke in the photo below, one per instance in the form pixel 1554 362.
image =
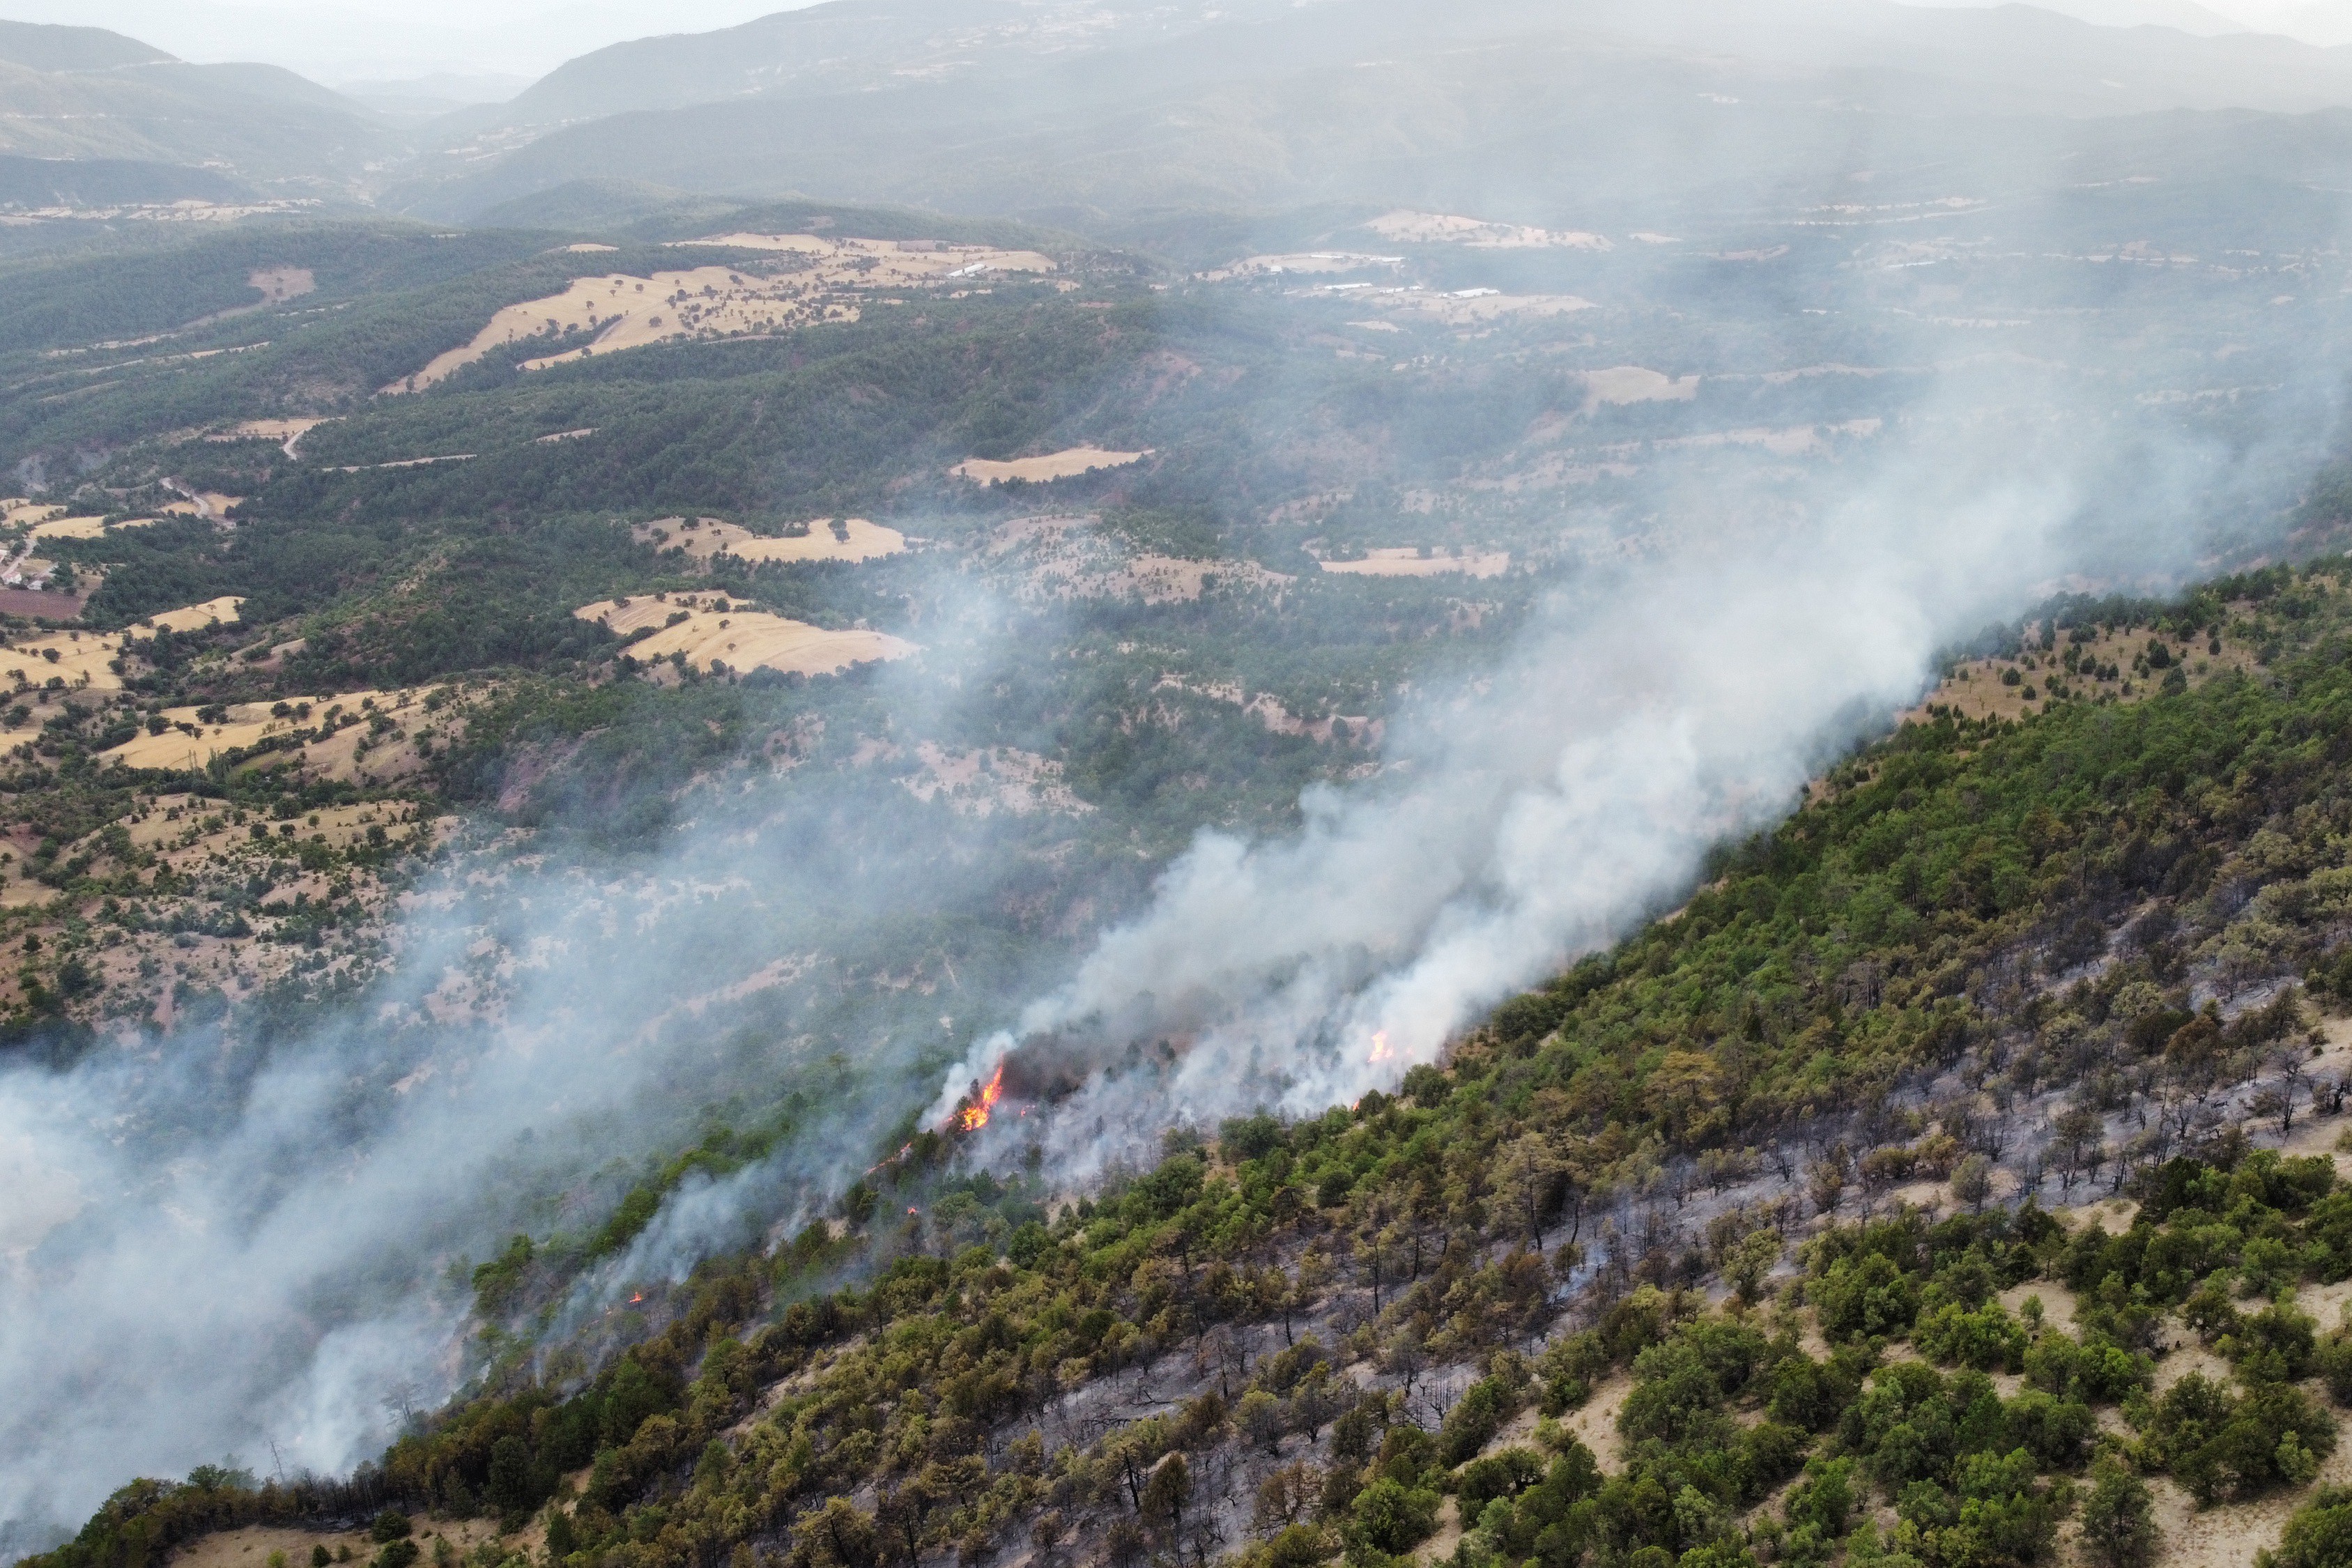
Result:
pixel 1542 812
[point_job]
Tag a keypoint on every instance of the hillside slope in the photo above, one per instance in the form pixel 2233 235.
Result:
pixel 2023 956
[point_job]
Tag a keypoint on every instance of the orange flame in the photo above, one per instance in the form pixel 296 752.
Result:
pixel 1381 1051
pixel 974 1117
pixel 638 1298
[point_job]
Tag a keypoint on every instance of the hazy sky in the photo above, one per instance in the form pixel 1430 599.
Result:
pixel 337 41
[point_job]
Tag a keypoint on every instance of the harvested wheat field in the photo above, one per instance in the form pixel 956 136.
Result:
pixel 626 311
pixel 1062 465
pixel 226 611
pixel 1406 228
pixel 695 625
pixel 1408 562
pixel 836 539
pixel 76 659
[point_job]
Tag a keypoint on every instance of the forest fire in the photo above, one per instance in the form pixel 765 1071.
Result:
pixel 974 1117
pixel 1381 1051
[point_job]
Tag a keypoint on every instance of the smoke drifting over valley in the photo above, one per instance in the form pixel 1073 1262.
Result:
pixel 1538 812
pixel 1756 457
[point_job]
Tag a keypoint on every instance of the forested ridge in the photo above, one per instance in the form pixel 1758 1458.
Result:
pixel 1991 963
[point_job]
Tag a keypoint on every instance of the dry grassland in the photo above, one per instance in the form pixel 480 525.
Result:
pixel 1068 557
pixel 739 638
pixel 83 660
pixel 355 749
pixel 286 433
pixel 16 509
pixel 210 505
pixel 846 539
pixel 1976 690
pixel 1478 307
pixel 67 527
pixel 626 311
pixel 1410 562
pixel 1594 1422
pixel 1627 384
pixel 995 778
pixel 187 831
pixel 251 1546
pixel 226 611
pixel 279 284
pixel 1065 464
pixel 1406 228
pixel 1308 261
pixel 887 263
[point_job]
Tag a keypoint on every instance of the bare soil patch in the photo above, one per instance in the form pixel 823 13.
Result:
pixel 1594 1422
pixel 40 605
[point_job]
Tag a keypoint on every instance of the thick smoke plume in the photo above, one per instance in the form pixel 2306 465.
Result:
pixel 1542 811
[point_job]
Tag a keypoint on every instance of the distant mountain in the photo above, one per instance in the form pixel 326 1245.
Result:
pixel 83 183
pixel 41 47
pixel 87 93
pixel 2066 50
pixel 1057 109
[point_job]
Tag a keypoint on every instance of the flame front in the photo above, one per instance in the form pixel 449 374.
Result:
pixel 974 1117
pixel 1381 1051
